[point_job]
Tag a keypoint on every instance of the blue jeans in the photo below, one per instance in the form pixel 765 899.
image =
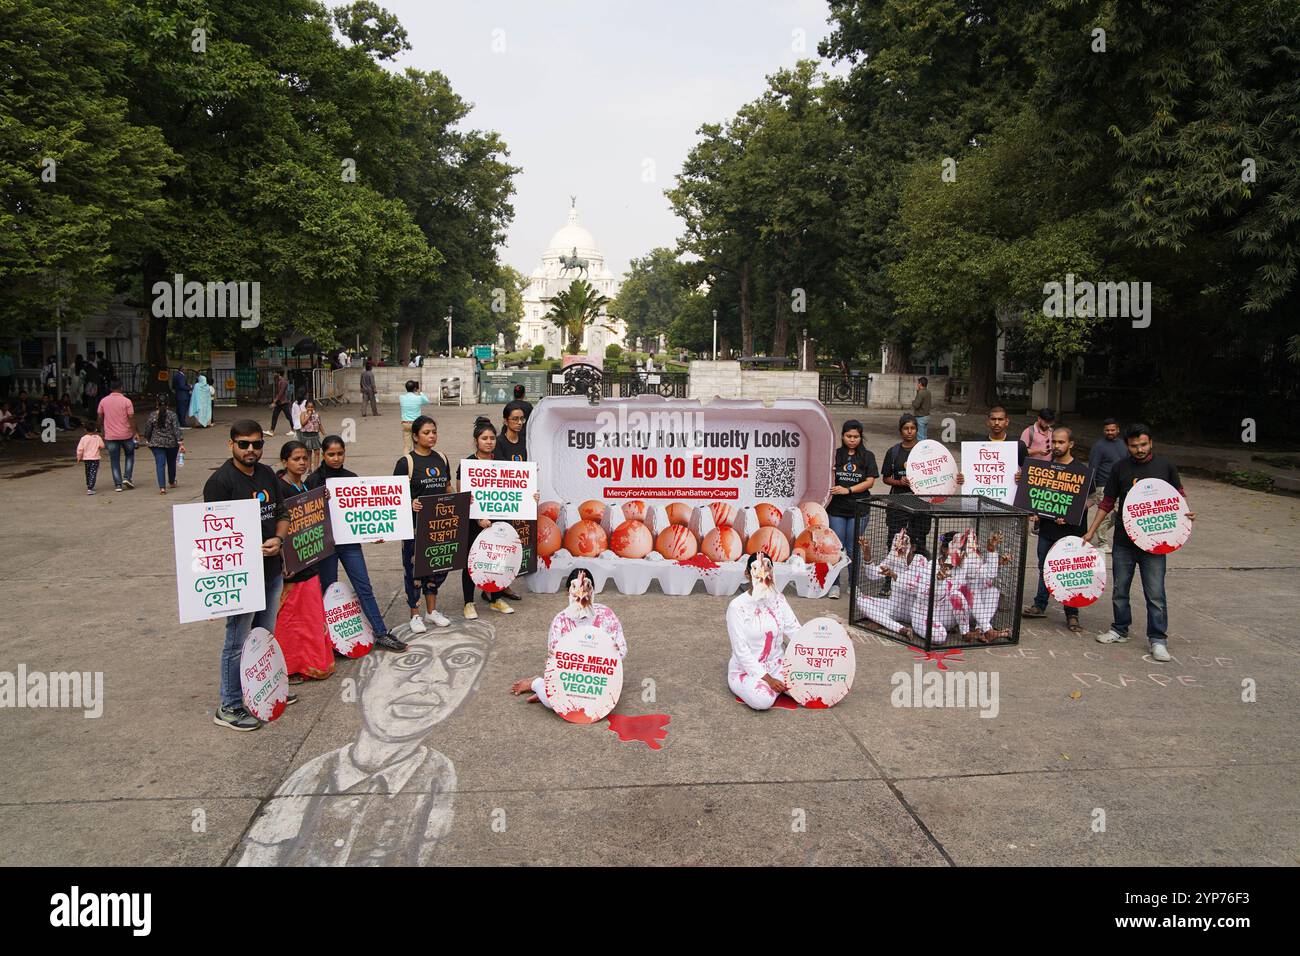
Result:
pixel 922 428
pixel 842 525
pixel 354 563
pixel 164 463
pixel 126 448
pixel 1042 597
pixel 1125 557
pixel 415 586
pixel 237 629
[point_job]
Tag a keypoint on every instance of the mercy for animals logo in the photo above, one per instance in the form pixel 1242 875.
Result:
pixel 946 689
pixel 213 300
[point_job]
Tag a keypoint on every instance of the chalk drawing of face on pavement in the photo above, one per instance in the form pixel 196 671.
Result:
pixel 386 798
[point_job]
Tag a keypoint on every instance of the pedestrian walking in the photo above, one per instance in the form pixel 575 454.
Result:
pixel 89 451
pixel 368 390
pixel 162 433
pixel 921 408
pixel 280 404
pixel 116 420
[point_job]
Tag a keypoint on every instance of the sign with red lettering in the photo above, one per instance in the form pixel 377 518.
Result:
pixel 501 489
pixel 263 675
pixel 370 509
pixel 1075 572
pixel 820 664
pixel 989 469
pixel 669 450
pixel 495 557
pixel 219 569
pixel 931 469
pixel 584 675
pixel 1155 516
pixel 350 632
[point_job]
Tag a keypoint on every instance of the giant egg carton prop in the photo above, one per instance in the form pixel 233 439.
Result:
pixel 618 478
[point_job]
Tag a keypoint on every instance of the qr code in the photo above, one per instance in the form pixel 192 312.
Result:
pixel 774 478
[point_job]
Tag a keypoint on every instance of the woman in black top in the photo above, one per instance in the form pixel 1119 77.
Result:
pixel 852 476
pixel 430 474
pixel 894 474
pixel 333 456
pixel 512 445
pixel 485 446
pixel 300 621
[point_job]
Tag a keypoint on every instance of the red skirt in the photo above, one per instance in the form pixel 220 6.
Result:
pixel 300 629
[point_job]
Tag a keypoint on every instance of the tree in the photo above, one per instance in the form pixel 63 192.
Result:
pixel 576 308
pixel 652 293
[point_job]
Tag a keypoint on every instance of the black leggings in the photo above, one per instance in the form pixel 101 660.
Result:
pixel 466 583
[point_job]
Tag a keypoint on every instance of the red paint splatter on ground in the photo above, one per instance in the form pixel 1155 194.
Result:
pixel 939 656
pixel 578 716
pixel 783 702
pixel 545 559
pixel 700 561
pixel 359 650
pixel 647 728
pixel 278 709
pixel 819 573
pixel 816 704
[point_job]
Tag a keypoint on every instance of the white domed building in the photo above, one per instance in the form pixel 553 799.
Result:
pixel 551 277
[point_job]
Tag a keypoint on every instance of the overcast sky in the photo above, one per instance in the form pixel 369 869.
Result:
pixel 587 95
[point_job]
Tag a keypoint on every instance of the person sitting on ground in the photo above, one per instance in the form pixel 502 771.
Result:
pixel 582 609
pixel 758 621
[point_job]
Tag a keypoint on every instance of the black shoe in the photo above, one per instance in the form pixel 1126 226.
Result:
pixel 236 718
pixel 510 595
pixel 291 699
pixel 389 643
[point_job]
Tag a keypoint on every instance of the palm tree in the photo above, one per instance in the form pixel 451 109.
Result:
pixel 574 309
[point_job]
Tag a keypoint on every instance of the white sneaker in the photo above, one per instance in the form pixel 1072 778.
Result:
pixel 1110 637
pixel 835 592
pixel 1159 651
pixel 437 620
pixel 269 434
pixel 417 624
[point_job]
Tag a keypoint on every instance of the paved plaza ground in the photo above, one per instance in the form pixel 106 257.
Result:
pixel 1184 770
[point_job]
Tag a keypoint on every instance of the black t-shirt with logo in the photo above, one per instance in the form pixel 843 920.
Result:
pixel 508 450
pixel 851 469
pixel 228 483
pixel 1126 473
pixel 432 474
pixel 896 467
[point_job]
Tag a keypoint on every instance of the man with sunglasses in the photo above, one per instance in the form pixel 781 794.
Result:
pixel 242 477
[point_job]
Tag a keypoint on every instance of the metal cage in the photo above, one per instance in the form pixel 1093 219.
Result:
pixel 938 573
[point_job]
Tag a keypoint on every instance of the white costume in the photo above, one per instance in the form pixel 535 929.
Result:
pixel 889 612
pixel 599 616
pixel 758 628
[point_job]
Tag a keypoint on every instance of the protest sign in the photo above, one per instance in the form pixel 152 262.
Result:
pixel 502 489
pixel 1074 572
pixel 820 663
pixel 584 675
pixel 989 469
pixel 310 539
pixel 219 569
pixel 495 557
pixel 931 469
pixel 370 509
pixel 263 675
pixel 441 530
pixel 1054 491
pixel 680 450
pixel 528 538
pixel 350 632
pixel 1155 516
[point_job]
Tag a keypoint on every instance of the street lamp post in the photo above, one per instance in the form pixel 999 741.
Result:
pixel 448 331
pixel 715 335
pixel 395 358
